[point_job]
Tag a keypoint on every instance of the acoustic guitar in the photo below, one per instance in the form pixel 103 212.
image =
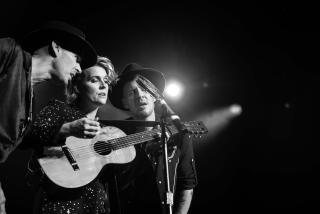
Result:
pixel 80 160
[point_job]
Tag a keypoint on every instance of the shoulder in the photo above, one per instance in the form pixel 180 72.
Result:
pixel 10 50
pixel 60 111
pixel 57 103
pixel 11 53
pixel 7 41
pixel 9 45
pixel 185 142
pixel 54 107
pixel 70 112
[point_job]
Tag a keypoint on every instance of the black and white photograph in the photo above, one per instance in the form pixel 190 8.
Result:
pixel 159 107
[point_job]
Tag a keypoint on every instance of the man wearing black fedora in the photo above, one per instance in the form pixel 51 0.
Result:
pixel 141 183
pixel 55 51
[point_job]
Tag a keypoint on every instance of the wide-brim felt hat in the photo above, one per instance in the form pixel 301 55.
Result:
pixel 71 38
pixel 130 71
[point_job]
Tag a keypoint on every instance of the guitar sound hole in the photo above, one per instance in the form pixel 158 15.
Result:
pixel 101 148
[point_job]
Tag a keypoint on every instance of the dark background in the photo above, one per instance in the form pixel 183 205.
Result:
pixel 263 56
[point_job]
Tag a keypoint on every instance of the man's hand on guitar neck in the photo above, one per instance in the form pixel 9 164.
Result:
pixel 156 144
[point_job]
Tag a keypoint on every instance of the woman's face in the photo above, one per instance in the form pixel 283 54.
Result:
pixel 94 86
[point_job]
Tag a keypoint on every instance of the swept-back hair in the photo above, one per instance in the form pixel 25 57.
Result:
pixel 72 93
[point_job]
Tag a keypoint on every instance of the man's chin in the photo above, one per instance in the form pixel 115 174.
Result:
pixel 60 82
pixel 142 113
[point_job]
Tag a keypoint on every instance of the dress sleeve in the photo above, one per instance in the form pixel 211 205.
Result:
pixel 47 124
pixel 186 171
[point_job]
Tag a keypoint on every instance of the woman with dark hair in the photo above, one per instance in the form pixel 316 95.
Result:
pixel 76 117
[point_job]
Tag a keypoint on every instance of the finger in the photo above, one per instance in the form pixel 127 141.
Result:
pixel 91 128
pixel 89 134
pixel 92 122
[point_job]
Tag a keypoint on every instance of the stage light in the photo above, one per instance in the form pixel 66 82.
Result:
pixel 235 109
pixel 173 90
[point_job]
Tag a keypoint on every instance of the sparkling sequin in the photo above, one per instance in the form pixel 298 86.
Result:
pixel 89 199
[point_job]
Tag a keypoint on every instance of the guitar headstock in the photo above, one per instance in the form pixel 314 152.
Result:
pixel 195 128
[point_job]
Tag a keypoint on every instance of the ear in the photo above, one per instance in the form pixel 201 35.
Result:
pixel 153 99
pixel 55 49
pixel 76 89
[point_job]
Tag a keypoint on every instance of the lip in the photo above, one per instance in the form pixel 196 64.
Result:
pixel 102 94
pixel 141 107
pixel 142 104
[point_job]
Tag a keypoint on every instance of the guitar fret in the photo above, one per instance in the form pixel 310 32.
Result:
pixel 141 137
pixel 131 140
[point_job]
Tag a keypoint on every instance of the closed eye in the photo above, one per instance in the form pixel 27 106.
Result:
pixel 78 59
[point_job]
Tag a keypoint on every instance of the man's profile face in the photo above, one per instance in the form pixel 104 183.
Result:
pixel 66 64
pixel 138 101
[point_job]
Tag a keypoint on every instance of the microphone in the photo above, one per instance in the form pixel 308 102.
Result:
pixel 168 112
pixel 146 85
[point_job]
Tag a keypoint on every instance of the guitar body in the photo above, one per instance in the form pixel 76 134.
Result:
pixel 81 160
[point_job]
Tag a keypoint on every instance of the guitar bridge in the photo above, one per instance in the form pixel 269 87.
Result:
pixel 70 158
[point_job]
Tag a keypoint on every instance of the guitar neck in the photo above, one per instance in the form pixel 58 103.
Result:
pixel 137 138
pixel 195 128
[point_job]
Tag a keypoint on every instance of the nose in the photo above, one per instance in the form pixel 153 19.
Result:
pixel 103 85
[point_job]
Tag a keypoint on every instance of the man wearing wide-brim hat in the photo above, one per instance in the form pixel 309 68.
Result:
pixel 141 187
pixel 55 51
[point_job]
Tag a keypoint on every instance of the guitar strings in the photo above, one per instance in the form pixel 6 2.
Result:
pixel 137 136
pixel 115 144
pixel 119 143
pixel 85 153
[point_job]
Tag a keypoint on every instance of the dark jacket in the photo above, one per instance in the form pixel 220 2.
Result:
pixel 141 185
pixel 15 95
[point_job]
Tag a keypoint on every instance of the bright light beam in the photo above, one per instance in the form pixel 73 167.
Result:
pixel 218 119
pixel 173 90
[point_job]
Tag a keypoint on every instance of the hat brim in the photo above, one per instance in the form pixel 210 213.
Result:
pixel 154 76
pixel 70 42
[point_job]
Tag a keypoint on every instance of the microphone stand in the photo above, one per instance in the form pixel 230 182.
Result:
pixel 166 112
pixel 169 193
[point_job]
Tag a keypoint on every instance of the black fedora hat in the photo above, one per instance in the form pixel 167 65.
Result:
pixel 130 71
pixel 70 37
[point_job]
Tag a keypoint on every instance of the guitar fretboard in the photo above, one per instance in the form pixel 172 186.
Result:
pixel 140 137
